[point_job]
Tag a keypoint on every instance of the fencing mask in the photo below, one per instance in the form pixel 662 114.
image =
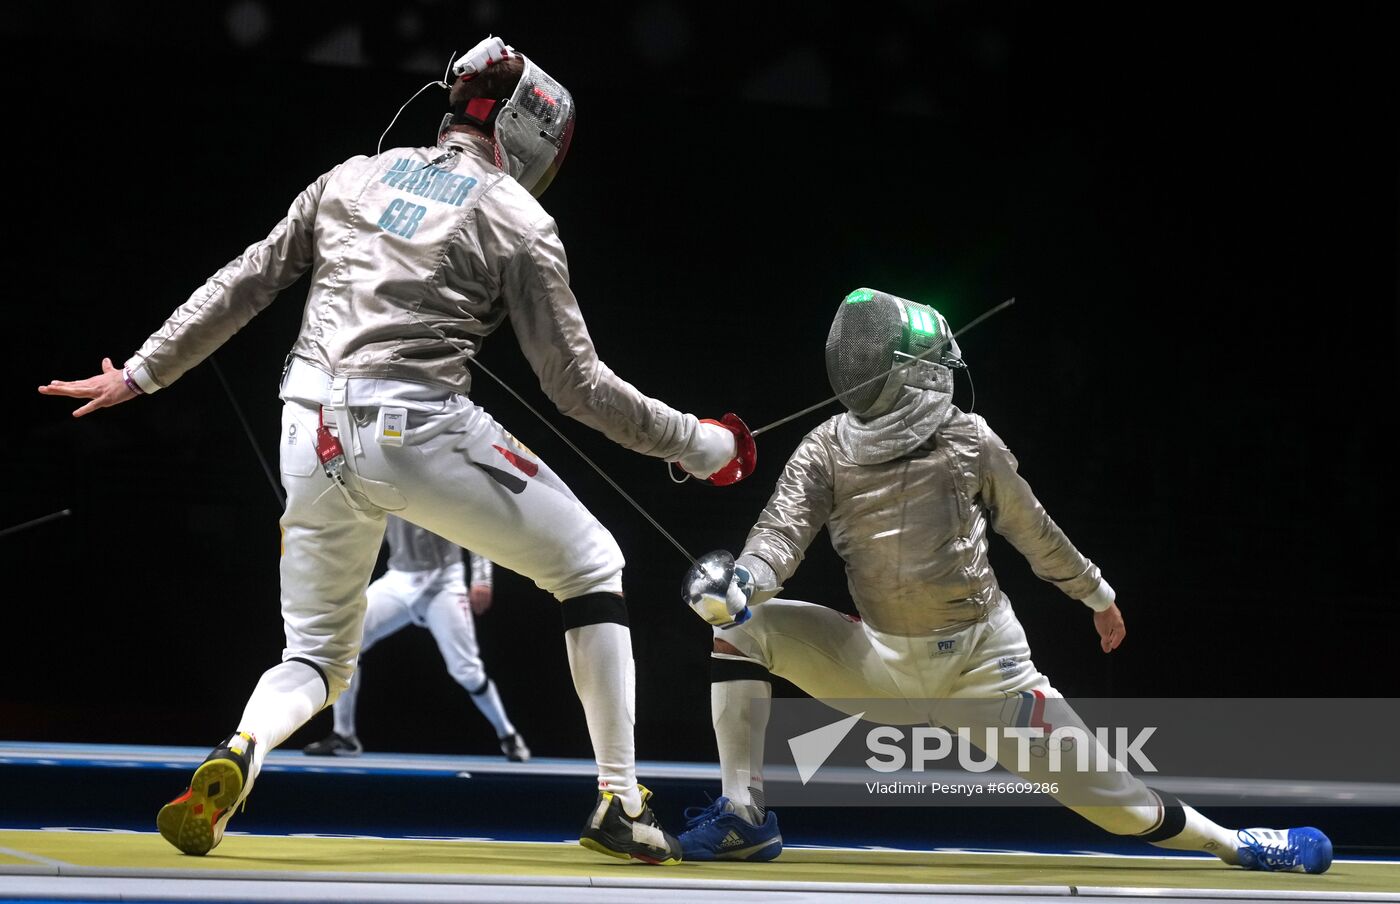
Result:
pixel 532 128
pixel 879 343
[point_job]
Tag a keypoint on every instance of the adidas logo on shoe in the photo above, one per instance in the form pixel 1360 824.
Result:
pixel 732 840
pixel 720 832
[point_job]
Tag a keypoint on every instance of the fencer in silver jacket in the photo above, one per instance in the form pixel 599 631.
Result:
pixel 908 498
pixel 909 486
pixel 416 255
pixel 417 305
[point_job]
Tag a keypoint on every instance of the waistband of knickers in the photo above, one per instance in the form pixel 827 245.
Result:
pixel 307 384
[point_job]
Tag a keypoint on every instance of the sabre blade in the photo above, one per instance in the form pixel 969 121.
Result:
pixel 580 453
pixel 916 358
pixel 35 522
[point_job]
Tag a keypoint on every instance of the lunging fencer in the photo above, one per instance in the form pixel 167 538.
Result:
pixel 908 487
pixel 416 255
pixel 426 584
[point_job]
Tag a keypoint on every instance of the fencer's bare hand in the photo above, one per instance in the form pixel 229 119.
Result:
pixel 1109 623
pixel 480 598
pixel 105 390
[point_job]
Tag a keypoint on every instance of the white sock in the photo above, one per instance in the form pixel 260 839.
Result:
pixel 600 658
pixel 344 710
pixel 489 702
pixel 739 712
pixel 1201 834
pixel 286 697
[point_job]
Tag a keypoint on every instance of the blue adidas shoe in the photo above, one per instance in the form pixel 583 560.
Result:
pixel 1304 850
pixel 717 832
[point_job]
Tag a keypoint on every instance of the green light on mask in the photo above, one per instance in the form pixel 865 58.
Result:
pixel 859 295
pixel 919 318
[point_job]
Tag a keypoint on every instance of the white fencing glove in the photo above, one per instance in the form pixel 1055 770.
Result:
pixel 711 448
pixel 705 459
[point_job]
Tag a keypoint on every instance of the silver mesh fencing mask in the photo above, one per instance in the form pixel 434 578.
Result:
pixel 531 129
pixel 534 128
pixel 878 343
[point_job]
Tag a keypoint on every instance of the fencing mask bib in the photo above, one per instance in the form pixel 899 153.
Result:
pixel 878 343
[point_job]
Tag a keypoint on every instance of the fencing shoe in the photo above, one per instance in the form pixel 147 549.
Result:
pixel 194 822
pixel 1304 850
pixel 611 831
pixel 718 832
pixel 335 745
pixel 514 749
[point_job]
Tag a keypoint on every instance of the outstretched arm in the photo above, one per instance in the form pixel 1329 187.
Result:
pixel 111 387
pixel 219 308
pixel 721 588
pixel 554 339
pixel 800 505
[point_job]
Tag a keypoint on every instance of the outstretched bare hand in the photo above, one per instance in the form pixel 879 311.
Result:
pixel 1109 623
pixel 105 390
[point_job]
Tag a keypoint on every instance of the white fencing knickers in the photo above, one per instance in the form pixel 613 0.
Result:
pixel 433 458
pixel 434 599
pixel 834 658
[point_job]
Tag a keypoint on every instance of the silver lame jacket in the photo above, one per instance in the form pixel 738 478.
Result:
pixel 405 245
pixel 913 531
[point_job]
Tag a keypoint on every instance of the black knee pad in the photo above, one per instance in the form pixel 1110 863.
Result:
pixel 1173 818
pixel 320 672
pixel 593 609
pixel 737 670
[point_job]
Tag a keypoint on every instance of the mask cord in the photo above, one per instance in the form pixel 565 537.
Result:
pixel 379 148
pixel 441 83
pixel 958 364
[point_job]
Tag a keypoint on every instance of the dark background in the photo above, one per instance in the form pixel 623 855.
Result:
pixel 1196 209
